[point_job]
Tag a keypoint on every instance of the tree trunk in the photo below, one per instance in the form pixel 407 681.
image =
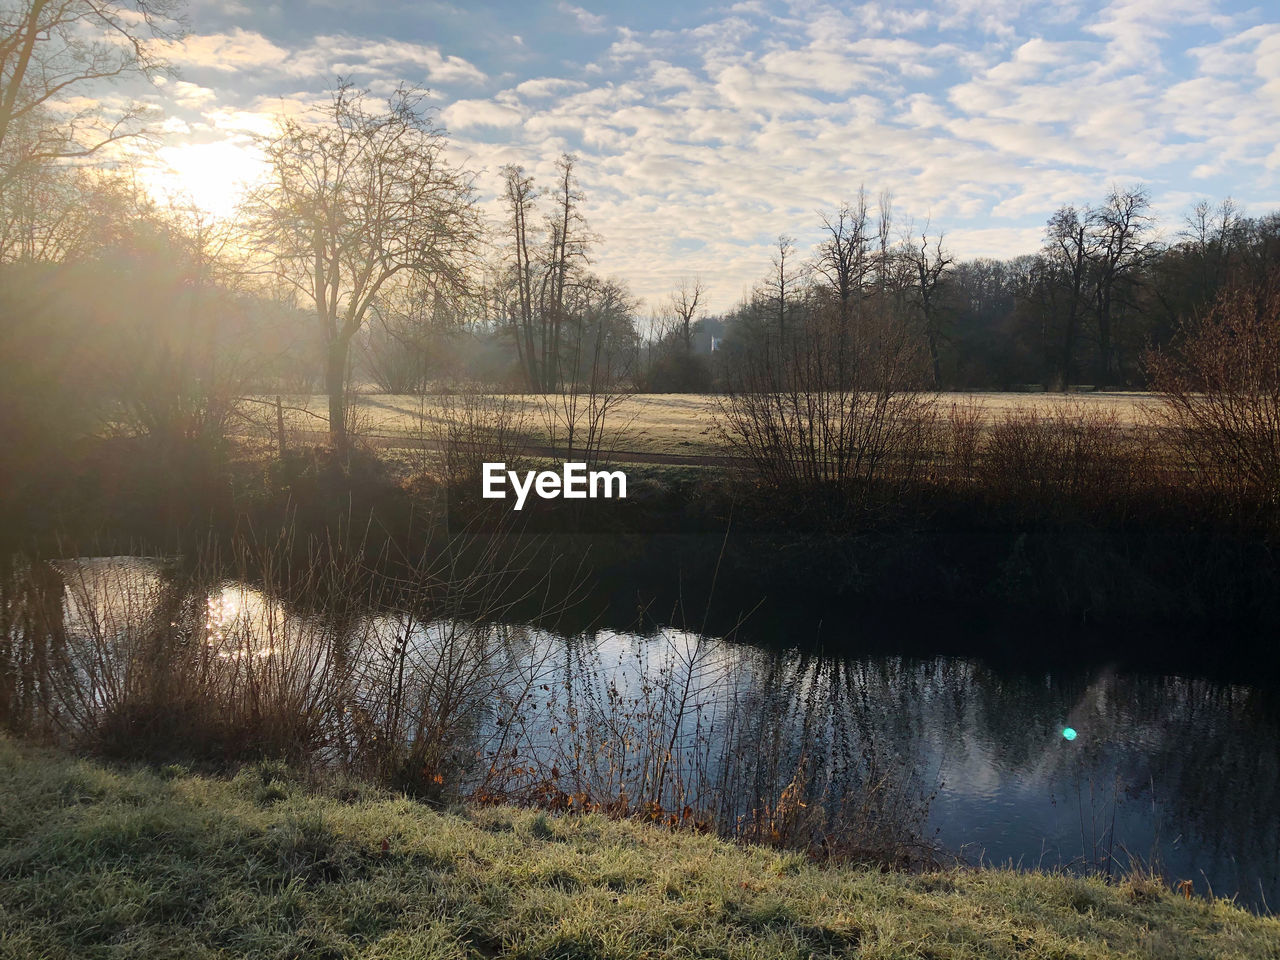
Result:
pixel 1067 364
pixel 1104 338
pixel 335 384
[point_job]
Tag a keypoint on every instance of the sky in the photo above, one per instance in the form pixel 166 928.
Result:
pixel 703 131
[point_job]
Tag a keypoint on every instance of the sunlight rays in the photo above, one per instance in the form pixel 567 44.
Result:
pixel 213 177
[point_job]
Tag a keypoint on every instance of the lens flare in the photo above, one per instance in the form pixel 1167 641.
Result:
pixel 1068 733
pixel 213 176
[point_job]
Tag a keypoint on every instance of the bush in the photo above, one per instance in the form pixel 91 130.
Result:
pixel 1048 457
pixel 828 408
pixel 676 371
pixel 1220 393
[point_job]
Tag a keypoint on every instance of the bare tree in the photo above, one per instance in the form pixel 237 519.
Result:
pixel 1206 226
pixel 685 301
pixel 355 204
pixel 521 197
pixel 43 213
pixel 783 280
pixel 884 255
pixel 1067 254
pixel 542 275
pixel 52 51
pixel 844 256
pixel 600 347
pixel 1211 235
pixel 567 241
pixel 410 338
pixel 928 271
pixel 1118 249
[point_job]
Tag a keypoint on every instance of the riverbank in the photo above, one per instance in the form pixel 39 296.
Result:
pixel 1148 564
pixel 103 862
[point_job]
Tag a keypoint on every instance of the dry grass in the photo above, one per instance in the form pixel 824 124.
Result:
pixel 681 423
pixel 101 863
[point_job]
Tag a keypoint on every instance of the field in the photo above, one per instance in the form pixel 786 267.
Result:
pixel 96 862
pixel 653 427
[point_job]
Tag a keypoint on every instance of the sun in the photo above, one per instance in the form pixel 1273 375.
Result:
pixel 213 176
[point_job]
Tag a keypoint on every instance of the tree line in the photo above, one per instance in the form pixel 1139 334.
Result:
pixel 363 256
pixel 1105 288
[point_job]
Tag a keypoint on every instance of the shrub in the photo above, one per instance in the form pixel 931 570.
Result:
pixel 676 371
pixel 474 429
pixel 1220 394
pixel 825 408
pixel 1047 457
pixel 961 438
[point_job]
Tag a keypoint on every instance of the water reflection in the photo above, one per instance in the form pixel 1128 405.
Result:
pixel 1178 770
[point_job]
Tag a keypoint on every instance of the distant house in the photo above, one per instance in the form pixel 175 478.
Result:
pixel 708 334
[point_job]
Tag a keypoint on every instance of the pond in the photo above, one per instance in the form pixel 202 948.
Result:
pixel 1091 768
pixel 1061 768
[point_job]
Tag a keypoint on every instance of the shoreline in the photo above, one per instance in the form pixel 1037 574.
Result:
pixel 167 863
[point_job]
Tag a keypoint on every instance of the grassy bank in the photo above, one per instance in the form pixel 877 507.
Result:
pixel 101 863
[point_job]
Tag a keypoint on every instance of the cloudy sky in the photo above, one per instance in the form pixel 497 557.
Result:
pixel 705 130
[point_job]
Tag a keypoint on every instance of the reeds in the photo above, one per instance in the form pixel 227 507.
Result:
pixel 706 736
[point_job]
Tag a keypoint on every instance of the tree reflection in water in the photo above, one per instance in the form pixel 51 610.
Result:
pixel 1178 770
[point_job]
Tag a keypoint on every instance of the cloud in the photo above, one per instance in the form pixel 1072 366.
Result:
pixel 237 50
pixel 253 123
pixel 924 111
pixel 233 8
pixel 548 87
pixel 587 21
pixel 192 95
pixel 342 53
pixel 325 56
pixel 699 143
pixel 464 114
pixel 1133 29
pixel 996 242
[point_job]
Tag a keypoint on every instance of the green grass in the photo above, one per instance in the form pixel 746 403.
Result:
pixel 96 862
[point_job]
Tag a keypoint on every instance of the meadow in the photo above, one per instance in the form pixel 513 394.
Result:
pixel 654 427
pixel 103 862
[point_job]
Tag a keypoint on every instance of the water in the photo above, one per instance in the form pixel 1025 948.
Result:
pixel 1178 771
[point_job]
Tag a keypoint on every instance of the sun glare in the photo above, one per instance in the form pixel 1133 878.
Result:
pixel 213 176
